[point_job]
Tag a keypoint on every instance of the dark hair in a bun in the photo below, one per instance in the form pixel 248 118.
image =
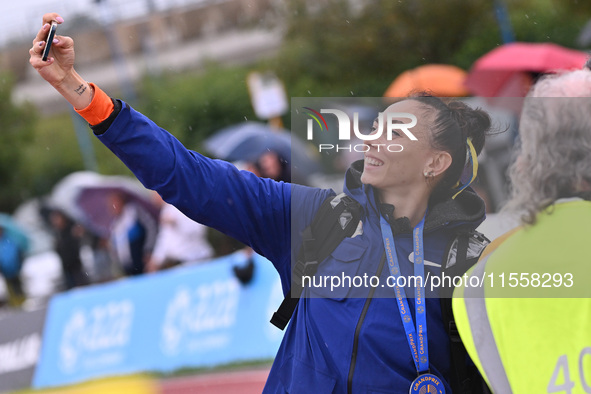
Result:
pixel 453 124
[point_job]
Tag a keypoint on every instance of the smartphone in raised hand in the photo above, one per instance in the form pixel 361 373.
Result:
pixel 49 40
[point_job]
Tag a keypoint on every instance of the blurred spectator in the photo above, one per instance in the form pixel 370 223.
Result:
pixel 68 237
pixel 102 263
pixel 133 234
pixel 272 165
pixel 180 240
pixel 11 260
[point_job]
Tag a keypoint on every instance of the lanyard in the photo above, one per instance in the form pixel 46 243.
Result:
pixel 416 336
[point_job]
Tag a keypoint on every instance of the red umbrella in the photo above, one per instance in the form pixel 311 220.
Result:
pixel 508 70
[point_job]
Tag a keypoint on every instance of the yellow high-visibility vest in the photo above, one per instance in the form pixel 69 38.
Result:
pixel 525 314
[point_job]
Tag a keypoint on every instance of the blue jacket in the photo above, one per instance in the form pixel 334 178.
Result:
pixel 338 341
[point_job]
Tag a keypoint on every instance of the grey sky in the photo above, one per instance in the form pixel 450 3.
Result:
pixel 22 18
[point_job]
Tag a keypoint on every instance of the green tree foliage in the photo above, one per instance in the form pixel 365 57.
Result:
pixel 575 7
pixel 361 50
pixel 54 152
pixel 557 21
pixel 16 127
pixel 194 106
pixel 335 48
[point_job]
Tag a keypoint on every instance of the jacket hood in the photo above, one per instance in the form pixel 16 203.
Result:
pixel 467 209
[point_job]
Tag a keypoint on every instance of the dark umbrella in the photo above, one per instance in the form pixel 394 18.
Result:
pixel 249 140
pixel 509 70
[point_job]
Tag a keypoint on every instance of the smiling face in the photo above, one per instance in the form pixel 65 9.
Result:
pixel 387 170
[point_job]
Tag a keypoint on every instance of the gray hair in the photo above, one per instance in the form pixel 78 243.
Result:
pixel 554 159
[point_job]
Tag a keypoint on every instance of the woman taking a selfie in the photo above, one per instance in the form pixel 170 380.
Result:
pixel 345 340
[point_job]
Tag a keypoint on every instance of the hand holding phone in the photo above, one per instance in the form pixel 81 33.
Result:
pixel 49 40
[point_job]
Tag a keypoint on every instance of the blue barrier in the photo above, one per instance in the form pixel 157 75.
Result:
pixel 198 316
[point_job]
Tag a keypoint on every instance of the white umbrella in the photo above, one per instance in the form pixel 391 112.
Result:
pixel 84 197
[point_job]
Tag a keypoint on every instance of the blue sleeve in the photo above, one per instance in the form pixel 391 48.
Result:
pixel 253 210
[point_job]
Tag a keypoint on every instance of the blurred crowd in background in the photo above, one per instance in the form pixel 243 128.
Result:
pixel 94 229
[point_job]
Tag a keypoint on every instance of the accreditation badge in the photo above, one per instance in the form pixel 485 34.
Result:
pixel 427 384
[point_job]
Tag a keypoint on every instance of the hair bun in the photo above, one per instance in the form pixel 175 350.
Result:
pixel 474 123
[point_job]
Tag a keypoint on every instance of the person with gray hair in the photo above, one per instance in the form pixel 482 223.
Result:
pixel 527 323
pixel 554 160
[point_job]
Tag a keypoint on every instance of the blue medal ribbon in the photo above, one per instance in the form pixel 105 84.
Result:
pixel 416 336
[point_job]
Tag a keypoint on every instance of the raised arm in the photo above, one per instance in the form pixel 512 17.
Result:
pixel 253 210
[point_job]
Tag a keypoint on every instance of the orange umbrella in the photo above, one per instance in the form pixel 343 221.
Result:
pixel 439 79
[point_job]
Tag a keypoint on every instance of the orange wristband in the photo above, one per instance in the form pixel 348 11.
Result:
pixel 99 109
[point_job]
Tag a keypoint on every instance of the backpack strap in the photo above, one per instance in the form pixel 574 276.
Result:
pixel 463 252
pixel 337 218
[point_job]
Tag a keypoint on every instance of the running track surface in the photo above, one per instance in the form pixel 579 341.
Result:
pixel 242 382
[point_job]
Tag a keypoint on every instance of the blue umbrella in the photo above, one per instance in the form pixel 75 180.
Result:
pixel 14 232
pixel 247 141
